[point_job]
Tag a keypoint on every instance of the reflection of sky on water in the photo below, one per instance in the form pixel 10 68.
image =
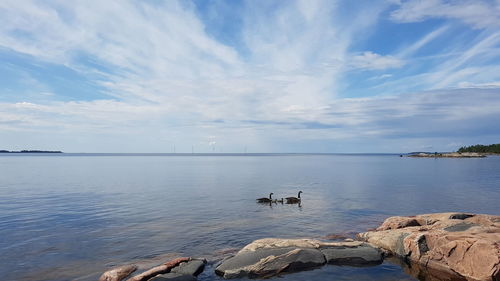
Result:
pixel 80 214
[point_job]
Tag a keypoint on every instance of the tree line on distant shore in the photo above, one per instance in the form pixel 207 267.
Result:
pixel 492 148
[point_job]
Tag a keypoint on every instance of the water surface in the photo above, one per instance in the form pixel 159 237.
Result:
pixel 65 217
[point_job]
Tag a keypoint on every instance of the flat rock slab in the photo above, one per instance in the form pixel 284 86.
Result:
pixel 247 258
pixel 355 256
pixel 269 257
pixel 270 262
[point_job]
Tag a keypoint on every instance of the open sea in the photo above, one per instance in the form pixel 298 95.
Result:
pixel 72 216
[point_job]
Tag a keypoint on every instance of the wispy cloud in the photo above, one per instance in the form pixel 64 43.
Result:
pixel 369 60
pixel 479 13
pixel 409 50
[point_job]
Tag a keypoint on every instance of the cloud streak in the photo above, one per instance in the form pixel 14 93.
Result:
pixel 479 14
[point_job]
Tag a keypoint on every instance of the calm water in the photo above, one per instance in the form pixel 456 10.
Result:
pixel 66 217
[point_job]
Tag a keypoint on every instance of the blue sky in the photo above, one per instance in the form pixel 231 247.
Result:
pixel 271 76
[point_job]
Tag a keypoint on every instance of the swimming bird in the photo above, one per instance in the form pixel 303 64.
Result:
pixel 294 200
pixel 265 200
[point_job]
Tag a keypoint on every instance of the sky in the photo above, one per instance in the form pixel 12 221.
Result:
pixel 256 76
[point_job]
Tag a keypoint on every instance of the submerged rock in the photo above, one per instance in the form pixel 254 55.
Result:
pixel 269 257
pixel 174 277
pixel 423 273
pixel 463 243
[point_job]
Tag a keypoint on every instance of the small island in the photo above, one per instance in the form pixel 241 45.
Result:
pixel 31 151
pixel 473 151
pixel 447 155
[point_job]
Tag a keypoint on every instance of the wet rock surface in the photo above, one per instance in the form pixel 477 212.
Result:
pixel 174 277
pixel 356 256
pixel 269 257
pixel 467 244
pixel 192 267
pixel 423 273
pixel 185 271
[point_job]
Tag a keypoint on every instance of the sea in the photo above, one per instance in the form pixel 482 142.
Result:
pixel 72 216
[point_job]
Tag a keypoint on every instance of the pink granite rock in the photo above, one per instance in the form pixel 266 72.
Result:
pixel 463 243
pixel 118 273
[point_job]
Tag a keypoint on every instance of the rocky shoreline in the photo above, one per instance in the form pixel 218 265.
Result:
pixel 448 155
pixel 467 244
pixel 444 246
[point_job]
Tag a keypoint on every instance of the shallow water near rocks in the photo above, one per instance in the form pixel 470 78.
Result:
pixel 71 216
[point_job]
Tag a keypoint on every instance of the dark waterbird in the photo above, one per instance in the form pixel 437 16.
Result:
pixel 265 200
pixel 294 200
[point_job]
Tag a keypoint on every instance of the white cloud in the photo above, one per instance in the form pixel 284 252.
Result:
pixel 380 77
pixel 492 85
pixel 372 61
pixel 478 13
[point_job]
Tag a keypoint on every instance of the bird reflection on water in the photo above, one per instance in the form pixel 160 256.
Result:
pixel 270 203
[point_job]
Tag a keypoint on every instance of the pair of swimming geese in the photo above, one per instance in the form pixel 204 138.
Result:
pixel 289 200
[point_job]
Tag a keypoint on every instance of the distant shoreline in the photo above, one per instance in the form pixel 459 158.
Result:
pixel 207 153
pixel 449 155
pixel 31 151
pixel 411 154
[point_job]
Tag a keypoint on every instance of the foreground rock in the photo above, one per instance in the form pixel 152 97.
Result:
pixel 161 269
pixel 467 244
pixel 186 271
pixel 269 257
pixel 118 273
pixel 179 269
